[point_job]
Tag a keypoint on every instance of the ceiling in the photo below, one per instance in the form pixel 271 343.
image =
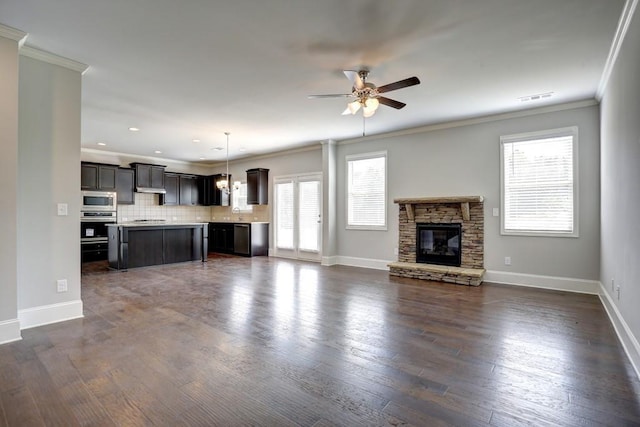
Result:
pixel 194 69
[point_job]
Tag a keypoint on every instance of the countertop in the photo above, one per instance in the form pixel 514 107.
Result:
pixel 155 224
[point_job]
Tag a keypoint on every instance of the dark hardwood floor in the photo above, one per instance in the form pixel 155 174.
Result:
pixel 267 341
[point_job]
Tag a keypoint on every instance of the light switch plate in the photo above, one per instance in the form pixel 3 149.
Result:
pixel 496 211
pixel 63 209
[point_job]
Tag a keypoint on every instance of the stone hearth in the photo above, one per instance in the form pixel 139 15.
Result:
pixel 468 211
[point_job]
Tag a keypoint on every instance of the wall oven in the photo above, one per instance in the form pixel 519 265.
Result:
pixel 98 210
pixel 93 201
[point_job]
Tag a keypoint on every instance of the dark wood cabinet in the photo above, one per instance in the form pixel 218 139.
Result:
pixel 125 186
pixel 210 194
pixel 247 239
pixel 172 188
pixel 148 175
pixel 180 189
pixel 188 194
pixel 99 177
pixel 257 186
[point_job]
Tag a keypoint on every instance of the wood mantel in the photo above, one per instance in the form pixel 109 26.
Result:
pixel 463 200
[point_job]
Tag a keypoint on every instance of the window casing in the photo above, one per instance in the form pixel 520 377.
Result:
pixel 367 191
pixel 539 183
pixel 239 199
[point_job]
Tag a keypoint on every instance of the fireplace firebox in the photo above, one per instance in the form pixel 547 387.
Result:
pixel 439 244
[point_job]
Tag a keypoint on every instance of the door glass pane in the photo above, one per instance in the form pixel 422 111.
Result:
pixel 309 215
pixel 284 215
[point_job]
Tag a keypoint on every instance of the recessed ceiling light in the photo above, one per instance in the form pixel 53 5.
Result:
pixel 242 149
pixel 158 152
pixel 201 158
pixel 217 148
pixel 196 140
pixel 102 143
pixel 132 129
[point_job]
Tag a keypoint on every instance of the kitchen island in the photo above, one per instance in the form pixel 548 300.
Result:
pixel 141 244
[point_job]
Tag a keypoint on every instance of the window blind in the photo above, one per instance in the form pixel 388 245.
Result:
pixel 284 215
pixel 538 185
pixel 309 215
pixel 366 192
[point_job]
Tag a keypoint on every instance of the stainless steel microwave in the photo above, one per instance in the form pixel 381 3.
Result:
pixel 98 201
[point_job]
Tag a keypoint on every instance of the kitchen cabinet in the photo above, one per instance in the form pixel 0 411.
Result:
pixel 133 246
pixel 210 194
pixel 188 194
pixel 125 186
pixel 180 189
pixel 247 239
pixel 98 177
pixel 149 176
pixel 257 186
pixel 221 237
pixel 172 188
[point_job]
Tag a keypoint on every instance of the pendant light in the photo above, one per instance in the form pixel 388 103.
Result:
pixel 223 184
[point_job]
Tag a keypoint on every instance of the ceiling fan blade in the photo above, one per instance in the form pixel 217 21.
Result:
pixel 411 81
pixel 354 77
pixel 391 102
pixel 347 112
pixel 337 95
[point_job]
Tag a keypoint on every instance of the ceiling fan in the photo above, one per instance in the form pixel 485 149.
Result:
pixel 367 95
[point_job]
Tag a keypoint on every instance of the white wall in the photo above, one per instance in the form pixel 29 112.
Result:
pixel 620 201
pixel 465 160
pixel 9 325
pixel 49 173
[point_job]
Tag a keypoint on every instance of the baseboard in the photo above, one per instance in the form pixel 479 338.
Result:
pixel 46 314
pixel 628 340
pixel 376 264
pixel 10 331
pixel 545 282
pixel 328 261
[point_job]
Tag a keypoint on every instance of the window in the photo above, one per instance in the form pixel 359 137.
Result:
pixel 539 183
pixel 239 199
pixel 367 191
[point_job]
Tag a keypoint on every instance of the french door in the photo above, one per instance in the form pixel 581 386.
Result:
pixel 298 216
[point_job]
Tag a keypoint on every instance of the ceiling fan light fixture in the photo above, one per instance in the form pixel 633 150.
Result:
pixel 368 114
pixel 354 106
pixel 370 106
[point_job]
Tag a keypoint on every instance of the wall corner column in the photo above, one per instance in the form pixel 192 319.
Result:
pixel 329 202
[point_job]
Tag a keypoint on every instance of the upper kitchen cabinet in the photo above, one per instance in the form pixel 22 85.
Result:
pixel 96 176
pixel 188 195
pixel 172 187
pixel 210 194
pixel 125 185
pixel 257 186
pixel 149 178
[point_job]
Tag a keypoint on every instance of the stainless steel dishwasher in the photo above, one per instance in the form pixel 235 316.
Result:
pixel 242 239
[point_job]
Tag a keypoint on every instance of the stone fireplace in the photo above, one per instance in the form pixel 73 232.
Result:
pixel 443 255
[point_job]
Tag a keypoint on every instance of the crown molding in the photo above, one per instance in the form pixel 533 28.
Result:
pixel 13 34
pixel 616 45
pixel 476 120
pixel 52 58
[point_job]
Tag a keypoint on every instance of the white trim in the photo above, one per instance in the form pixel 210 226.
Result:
pixel 567 284
pixel 53 313
pixel 13 34
pixel 616 45
pixel 52 58
pixel 328 261
pixel 628 340
pixel 10 331
pixel 376 264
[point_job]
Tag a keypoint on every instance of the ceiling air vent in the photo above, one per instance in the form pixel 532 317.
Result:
pixel 536 97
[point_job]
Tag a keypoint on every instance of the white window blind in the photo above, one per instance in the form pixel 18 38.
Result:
pixel 285 215
pixel 309 215
pixel 366 191
pixel 538 183
pixel 239 199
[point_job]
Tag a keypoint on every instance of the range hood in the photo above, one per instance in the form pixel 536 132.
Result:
pixel 151 190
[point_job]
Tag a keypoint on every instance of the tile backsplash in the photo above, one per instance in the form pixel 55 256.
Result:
pixel 146 207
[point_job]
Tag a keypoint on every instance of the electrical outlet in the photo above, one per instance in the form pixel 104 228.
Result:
pixel 63 209
pixel 198 218
pixel 507 260
pixel 62 285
